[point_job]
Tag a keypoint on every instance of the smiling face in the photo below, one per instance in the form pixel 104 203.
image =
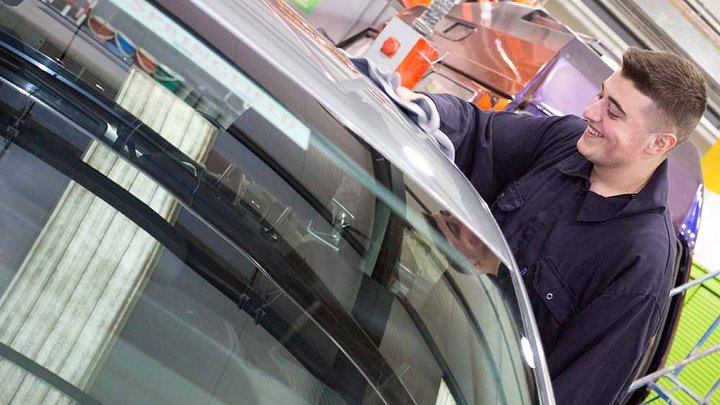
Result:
pixel 620 123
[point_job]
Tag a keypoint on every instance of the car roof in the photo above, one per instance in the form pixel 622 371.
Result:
pixel 278 35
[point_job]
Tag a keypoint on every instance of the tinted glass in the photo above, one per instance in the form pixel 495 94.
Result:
pixel 173 234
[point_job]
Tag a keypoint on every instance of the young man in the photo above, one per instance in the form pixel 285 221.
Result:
pixel 583 205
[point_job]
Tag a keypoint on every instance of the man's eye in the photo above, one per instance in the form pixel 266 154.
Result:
pixel 612 116
pixel 598 96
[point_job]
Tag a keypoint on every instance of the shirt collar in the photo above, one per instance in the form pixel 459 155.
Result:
pixel 595 208
pixel 575 165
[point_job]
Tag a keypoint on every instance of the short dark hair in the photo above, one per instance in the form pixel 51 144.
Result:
pixel 674 83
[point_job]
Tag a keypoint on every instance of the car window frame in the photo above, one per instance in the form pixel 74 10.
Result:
pixel 195 196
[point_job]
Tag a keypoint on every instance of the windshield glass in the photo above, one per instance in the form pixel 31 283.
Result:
pixel 172 233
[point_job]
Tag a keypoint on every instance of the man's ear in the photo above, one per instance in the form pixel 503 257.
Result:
pixel 662 143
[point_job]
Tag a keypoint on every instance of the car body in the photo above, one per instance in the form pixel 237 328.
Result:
pixel 205 202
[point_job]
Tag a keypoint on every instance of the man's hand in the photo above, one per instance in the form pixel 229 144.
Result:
pixel 464 240
pixel 406 93
pixel 409 95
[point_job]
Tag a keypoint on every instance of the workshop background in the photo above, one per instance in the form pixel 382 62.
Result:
pixel 688 27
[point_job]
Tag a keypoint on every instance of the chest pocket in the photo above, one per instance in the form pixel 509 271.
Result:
pixel 552 290
pixel 509 199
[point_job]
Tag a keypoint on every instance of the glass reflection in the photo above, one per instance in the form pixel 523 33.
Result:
pixel 483 260
pixel 248 263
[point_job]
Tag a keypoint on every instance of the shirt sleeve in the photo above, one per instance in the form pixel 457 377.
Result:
pixel 494 148
pixel 596 356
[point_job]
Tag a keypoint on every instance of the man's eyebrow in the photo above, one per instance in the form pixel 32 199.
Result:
pixel 612 100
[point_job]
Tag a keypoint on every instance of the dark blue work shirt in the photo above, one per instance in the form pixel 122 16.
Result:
pixel 599 269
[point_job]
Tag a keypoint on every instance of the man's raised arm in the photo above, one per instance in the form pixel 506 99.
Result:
pixel 494 148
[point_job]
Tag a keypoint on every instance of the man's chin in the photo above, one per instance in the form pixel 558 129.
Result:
pixel 584 149
pixel 582 146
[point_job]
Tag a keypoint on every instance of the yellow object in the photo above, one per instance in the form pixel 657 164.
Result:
pixel 711 168
pixel 533 3
pixel 501 104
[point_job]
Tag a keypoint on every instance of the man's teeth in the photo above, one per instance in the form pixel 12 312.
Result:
pixel 593 132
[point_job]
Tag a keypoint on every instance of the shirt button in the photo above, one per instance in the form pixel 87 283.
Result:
pixel 549 296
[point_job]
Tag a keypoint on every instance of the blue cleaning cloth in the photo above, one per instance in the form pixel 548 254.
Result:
pixel 417 106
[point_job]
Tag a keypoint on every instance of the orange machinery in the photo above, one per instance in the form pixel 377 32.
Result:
pixel 413 3
pixel 487 52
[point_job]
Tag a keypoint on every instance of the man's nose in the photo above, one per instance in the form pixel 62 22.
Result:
pixel 593 112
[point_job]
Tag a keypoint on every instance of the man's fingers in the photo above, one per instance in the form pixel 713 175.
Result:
pixel 441 221
pixel 406 93
pixel 467 235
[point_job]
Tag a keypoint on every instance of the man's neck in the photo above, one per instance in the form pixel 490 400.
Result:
pixel 610 181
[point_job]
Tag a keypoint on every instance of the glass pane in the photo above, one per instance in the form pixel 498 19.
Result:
pixel 107 307
pixel 237 252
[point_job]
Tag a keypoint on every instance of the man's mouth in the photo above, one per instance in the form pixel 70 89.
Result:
pixel 593 132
